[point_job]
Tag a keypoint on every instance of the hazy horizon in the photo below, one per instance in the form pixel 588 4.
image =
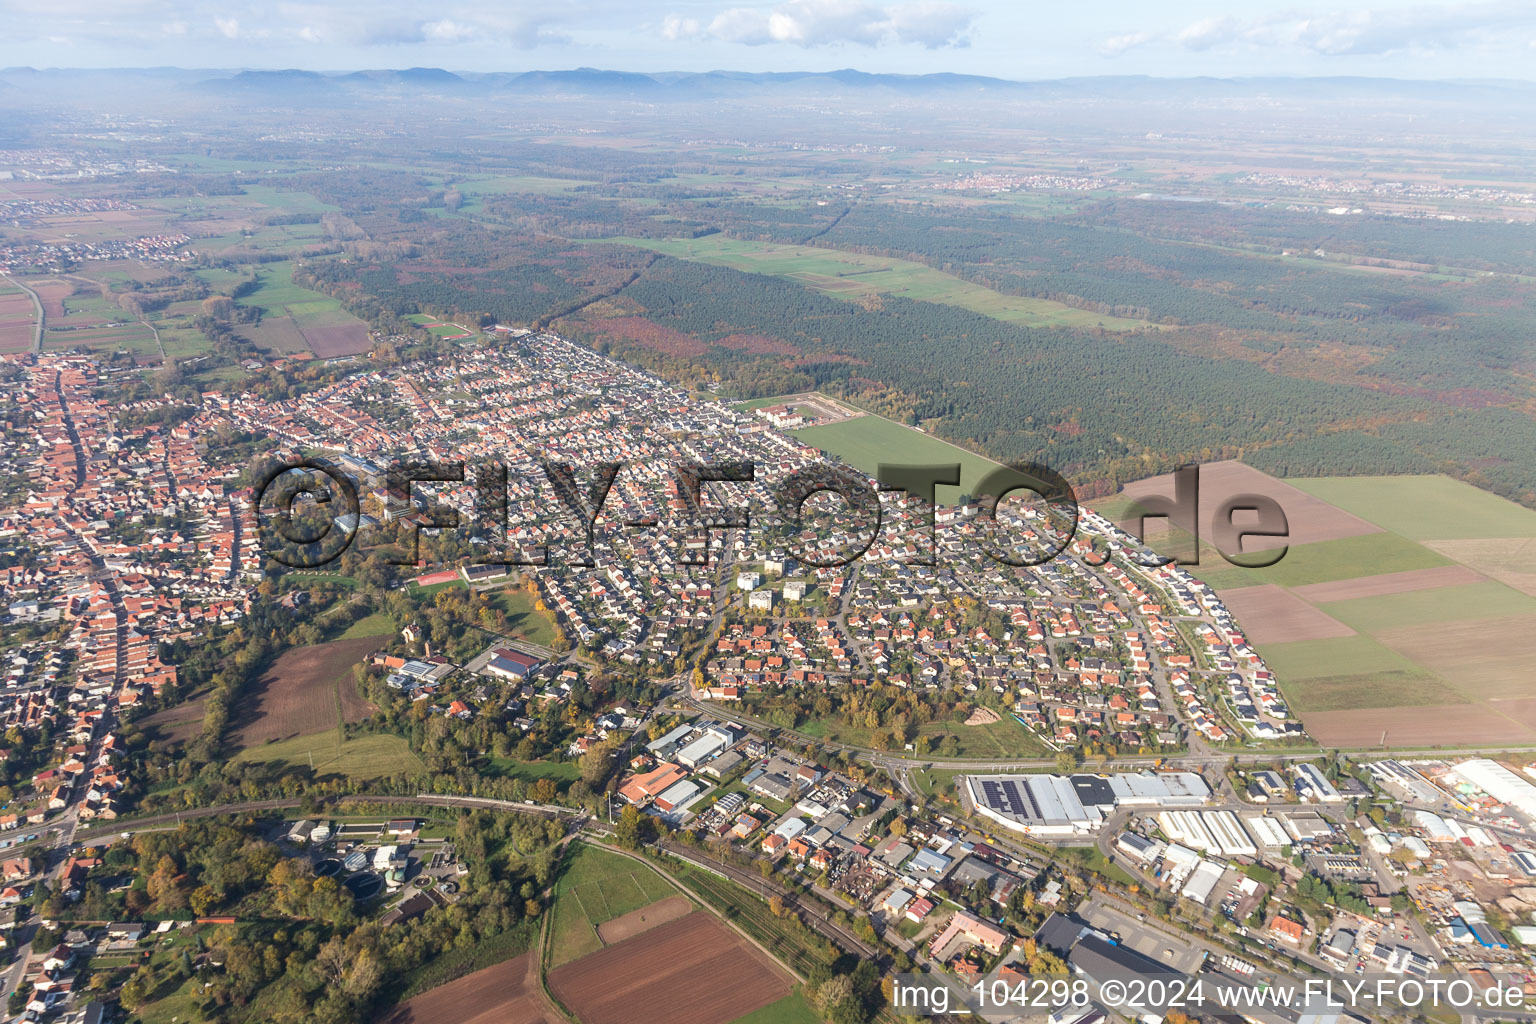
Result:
pixel 1192 38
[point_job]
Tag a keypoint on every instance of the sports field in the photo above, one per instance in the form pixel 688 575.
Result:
pixel 596 887
pixel 864 442
pixel 853 275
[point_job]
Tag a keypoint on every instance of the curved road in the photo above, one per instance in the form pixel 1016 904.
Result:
pixel 37 304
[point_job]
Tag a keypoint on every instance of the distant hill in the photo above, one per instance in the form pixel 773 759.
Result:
pixel 686 86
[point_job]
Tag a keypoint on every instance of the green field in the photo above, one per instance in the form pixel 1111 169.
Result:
pixel 1430 607
pixel 523 619
pixel 376 624
pixel 855 275
pixel 1001 739
pixel 1369 554
pixel 1349 672
pixel 532 771
pixel 275 291
pixel 866 441
pixel 1425 507
pixel 597 886
pixel 792 1009
pixel 366 757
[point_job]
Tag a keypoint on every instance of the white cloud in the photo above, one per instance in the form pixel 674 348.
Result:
pixel 330 23
pixel 1372 31
pixel 1114 46
pixel 1203 35
pixel 448 31
pixel 675 28
pixel 811 23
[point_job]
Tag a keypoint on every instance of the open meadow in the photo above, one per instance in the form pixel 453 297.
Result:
pixel 864 442
pixel 849 275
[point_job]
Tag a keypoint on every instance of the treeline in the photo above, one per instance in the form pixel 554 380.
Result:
pixel 325 962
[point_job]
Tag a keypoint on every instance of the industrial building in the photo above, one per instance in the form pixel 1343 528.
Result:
pixel 1202 882
pixel 1267 831
pixel 1058 806
pixel 1312 785
pixel 1500 783
pixel 1208 831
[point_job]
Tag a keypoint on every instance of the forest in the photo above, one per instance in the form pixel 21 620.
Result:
pixel 1299 366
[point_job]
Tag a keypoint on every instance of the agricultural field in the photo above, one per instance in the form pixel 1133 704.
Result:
pixel 690 971
pixel 306 690
pixel 179 722
pixel 296 317
pixel 792 1009
pixel 1374 627
pixel 792 943
pixel 364 757
pixel 506 993
pixel 850 275
pixel 597 887
pixel 866 441
pixel 18 318
pixel 1425 508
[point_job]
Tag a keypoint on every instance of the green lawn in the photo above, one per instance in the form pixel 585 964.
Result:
pixel 849 275
pixel 936 781
pixel 1425 507
pixel 864 442
pixel 365 757
pixel 1005 738
pixel 376 624
pixel 792 1009
pixel 179 1007
pixel 598 886
pixel 523 619
pixel 532 771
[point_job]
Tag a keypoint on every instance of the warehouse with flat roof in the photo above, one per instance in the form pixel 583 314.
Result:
pixel 1061 806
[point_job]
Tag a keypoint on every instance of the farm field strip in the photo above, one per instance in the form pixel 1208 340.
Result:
pixel 847 274
pixel 1387 631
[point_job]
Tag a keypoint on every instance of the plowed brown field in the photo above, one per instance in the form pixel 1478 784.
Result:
pixel 689 971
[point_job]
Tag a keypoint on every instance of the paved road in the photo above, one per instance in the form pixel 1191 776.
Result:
pixel 37 304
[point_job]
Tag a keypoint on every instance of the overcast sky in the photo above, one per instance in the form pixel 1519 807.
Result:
pixel 1021 39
